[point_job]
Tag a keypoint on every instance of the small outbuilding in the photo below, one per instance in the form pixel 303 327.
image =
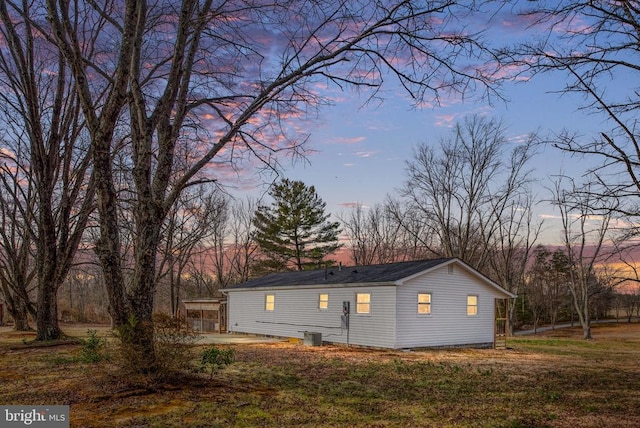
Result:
pixel 417 304
pixel 206 315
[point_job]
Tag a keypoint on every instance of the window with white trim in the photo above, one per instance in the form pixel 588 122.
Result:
pixel 323 301
pixel 424 303
pixel 270 302
pixel 363 303
pixel 472 305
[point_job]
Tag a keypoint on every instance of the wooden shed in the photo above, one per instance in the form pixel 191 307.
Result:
pixel 206 315
pixel 428 303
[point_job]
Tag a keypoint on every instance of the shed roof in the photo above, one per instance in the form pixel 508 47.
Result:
pixel 204 304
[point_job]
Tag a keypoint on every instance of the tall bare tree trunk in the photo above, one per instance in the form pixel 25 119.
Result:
pixel 210 65
pixel 20 318
pixel 578 208
pixel 47 325
pixel 144 278
pixel 18 310
pixel 108 244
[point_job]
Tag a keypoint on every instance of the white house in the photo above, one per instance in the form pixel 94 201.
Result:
pixel 428 303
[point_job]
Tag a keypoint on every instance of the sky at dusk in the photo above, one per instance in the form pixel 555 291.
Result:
pixel 358 153
pixel 361 154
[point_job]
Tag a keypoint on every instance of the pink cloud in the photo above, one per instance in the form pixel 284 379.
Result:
pixel 449 120
pixel 6 152
pixel 352 205
pixel 538 21
pixel 518 22
pixel 345 140
pixel 522 138
pixel 550 216
pixel 425 104
pixel 507 72
pixel 365 154
pixel 445 120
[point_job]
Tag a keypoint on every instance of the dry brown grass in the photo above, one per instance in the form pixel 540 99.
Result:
pixel 555 380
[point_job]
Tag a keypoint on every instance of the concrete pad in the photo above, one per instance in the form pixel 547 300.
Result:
pixel 231 339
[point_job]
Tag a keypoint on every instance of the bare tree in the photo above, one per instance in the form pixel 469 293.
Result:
pixel 190 222
pixel 584 232
pixel 631 301
pixel 547 284
pixel 593 44
pixel 375 236
pixel 228 252
pixel 462 191
pixel 414 240
pixel 82 296
pixel 39 104
pixel 623 271
pixel 603 297
pixel 235 69
pixel 512 240
pixel 17 272
pixel 365 228
pixel 233 251
pixel 534 285
pixel 242 252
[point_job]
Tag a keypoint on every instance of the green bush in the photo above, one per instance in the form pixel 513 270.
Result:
pixel 171 352
pixel 173 344
pixel 133 355
pixel 93 348
pixel 214 359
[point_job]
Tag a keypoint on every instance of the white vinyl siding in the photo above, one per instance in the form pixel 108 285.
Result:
pixel 296 311
pixel 448 323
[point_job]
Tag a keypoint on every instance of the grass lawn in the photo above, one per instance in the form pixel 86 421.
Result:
pixel 551 380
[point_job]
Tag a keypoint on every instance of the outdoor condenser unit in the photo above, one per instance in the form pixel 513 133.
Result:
pixel 312 338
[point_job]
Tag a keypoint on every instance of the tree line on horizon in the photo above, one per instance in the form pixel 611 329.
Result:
pixel 117 117
pixel 213 241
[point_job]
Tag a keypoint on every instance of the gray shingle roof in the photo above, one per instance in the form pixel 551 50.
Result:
pixel 346 275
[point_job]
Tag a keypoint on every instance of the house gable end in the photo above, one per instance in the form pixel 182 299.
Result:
pixel 466 268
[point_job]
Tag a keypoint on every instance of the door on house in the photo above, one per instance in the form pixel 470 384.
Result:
pixel 501 320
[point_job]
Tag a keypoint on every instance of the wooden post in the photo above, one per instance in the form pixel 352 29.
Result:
pixel 500 325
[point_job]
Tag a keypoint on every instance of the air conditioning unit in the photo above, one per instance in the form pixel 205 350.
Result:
pixel 312 338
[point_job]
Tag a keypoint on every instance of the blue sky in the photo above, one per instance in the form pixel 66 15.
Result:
pixel 362 153
pixel 359 153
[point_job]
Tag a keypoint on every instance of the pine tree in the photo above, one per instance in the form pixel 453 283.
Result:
pixel 294 231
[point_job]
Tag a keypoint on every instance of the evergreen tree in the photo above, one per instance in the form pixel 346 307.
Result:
pixel 294 231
